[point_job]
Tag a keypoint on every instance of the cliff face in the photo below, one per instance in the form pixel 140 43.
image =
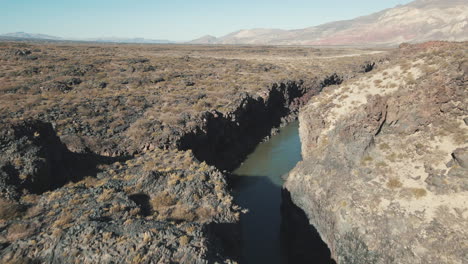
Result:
pixel 75 186
pixel 57 206
pixel 384 176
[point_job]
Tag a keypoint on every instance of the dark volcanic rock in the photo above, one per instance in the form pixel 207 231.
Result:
pixel 142 211
pixel 32 158
pixel 224 140
pixel 23 52
pixel 35 160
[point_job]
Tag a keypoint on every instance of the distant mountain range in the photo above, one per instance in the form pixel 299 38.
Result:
pixel 418 21
pixel 24 35
pixel 130 40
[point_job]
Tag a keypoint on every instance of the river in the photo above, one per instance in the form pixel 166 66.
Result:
pixel 257 187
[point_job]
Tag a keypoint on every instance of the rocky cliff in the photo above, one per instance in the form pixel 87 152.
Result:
pixel 78 186
pixel 384 176
pixel 141 210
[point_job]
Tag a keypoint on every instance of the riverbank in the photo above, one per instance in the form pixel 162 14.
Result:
pixel 383 176
pixel 139 124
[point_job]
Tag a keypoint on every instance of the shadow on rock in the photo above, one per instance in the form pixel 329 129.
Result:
pixel 274 230
pixel 34 159
pixel 302 241
pixel 143 201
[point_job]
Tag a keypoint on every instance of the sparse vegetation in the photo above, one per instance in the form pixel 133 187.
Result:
pixel 109 93
pixel 394 183
pixel 184 240
pixel 162 200
pixel 418 192
pixel 10 209
pixel 64 219
pixel 366 160
pixel 19 231
pixel 118 100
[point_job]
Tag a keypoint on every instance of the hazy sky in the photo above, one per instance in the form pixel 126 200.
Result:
pixel 174 19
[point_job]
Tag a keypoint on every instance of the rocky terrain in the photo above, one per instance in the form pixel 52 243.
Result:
pixel 106 150
pixel 146 209
pixel 418 21
pixel 384 176
pixel 120 100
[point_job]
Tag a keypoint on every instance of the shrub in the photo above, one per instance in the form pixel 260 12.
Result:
pixel 394 183
pixel 182 213
pixel 19 231
pixel 105 195
pixel 184 240
pixel 10 210
pixel 162 200
pixel 204 213
pixel 418 192
pixel 384 146
pixel 63 221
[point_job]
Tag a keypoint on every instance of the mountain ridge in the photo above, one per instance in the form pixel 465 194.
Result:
pixel 34 36
pixel 417 21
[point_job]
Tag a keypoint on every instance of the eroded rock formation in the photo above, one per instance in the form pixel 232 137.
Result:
pixel 140 210
pixel 383 177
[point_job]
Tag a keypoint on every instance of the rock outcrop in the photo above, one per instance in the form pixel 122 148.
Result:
pixel 146 209
pixel 383 177
pixel 108 160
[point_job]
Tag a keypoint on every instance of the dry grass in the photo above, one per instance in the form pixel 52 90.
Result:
pixel 366 160
pixel 394 183
pixel 153 84
pixel 184 240
pixel 384 146
pixel 64 220
pixel 182 212
pixel 418 192
pixel 162 200
pixel 18 231
pixel 204 213
pixel 115 208
pixel 10 210
pixel 17 260
pixel 106 195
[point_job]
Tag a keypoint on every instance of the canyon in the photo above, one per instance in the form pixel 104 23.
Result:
pixel 132 151
pixel 383 176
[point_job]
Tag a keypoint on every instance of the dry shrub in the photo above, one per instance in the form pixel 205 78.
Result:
pixel 64 220
pixel 105 195
pixel 10 209
pixel 183 213
pixel 367 159
pixel 19 231
pixel 17 260
pixel 89 181
pixel 162 200
pixel 184 240
pixel 394 183
pixel 34 211
pixel 384 146
pixel 204 213
pixel 418 192
pixel 115 208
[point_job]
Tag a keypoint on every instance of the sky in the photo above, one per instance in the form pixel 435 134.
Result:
pixel 177 20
